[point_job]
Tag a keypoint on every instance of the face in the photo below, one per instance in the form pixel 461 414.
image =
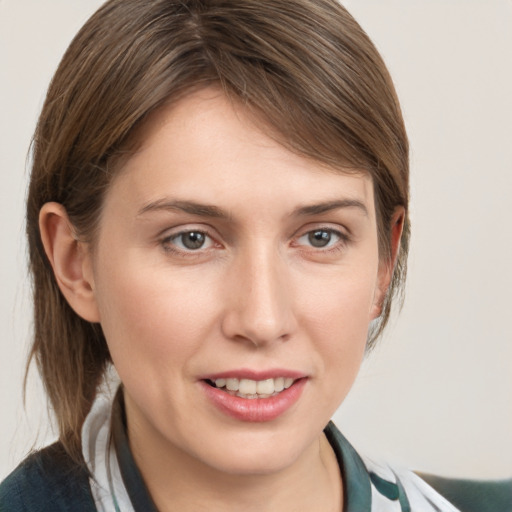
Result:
pixel 235 282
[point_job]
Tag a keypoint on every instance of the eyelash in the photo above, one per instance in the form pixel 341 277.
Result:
pixel 170 247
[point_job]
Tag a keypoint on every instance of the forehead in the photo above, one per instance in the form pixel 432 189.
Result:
pixel 212 148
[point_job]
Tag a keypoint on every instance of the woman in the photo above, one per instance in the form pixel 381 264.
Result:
pixel 218 208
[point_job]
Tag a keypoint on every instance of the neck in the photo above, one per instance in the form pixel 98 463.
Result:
pixel 178 481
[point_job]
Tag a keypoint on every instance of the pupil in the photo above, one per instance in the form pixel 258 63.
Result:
pixel 193 240
pixel 319 238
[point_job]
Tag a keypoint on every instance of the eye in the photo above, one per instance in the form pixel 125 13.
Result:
pixel 321 238
pixel 190 240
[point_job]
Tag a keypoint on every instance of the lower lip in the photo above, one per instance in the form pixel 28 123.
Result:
pixel 255 409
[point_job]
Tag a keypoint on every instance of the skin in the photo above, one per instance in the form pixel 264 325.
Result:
pixel 257 295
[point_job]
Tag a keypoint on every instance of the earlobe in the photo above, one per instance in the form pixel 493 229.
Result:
pixel 70 260
pixel 387 265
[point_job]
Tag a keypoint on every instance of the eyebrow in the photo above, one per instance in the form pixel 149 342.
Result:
pixel 191 207
pixel 206 210
pixel 319 208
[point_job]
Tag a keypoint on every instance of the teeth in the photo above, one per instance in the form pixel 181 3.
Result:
pixel 220 383
pixel 279 384
pixel 248 388
pixel 265 387
pixel 231 384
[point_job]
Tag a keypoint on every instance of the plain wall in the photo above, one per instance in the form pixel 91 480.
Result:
pixel 436 394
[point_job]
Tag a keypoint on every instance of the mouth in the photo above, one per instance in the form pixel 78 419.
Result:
pixel 252 389
pixel 254 396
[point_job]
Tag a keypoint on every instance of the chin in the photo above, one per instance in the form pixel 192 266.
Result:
pixel 264 451
pixel 254 462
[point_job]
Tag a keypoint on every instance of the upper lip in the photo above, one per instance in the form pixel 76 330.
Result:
pixel 246 373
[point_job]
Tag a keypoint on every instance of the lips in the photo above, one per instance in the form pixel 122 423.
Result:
pixel 254 396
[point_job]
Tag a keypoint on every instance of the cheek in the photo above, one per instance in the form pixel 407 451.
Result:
pixel 340 305
pixel 149 313
pixel 337 317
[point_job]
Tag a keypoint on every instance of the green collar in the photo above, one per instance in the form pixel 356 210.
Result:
pixel 357 488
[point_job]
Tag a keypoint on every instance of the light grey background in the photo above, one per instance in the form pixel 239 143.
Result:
pixel 437 393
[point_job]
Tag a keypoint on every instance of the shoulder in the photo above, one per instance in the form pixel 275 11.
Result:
pixel 373 485
pixel 474 495
pixel 430 492
pixel 450 494
pixel 47 481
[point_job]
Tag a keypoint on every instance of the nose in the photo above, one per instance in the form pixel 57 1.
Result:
pixel 259 307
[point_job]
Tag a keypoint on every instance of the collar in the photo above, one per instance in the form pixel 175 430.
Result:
pixel 357 491
pixel 132 479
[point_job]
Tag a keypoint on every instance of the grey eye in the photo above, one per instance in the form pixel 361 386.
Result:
pixel 319 238
pixel 191 240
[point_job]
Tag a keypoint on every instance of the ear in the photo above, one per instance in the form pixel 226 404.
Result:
pixel 387 265
pixel 70 259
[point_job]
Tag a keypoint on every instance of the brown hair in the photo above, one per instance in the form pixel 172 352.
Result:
pixel 305 66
